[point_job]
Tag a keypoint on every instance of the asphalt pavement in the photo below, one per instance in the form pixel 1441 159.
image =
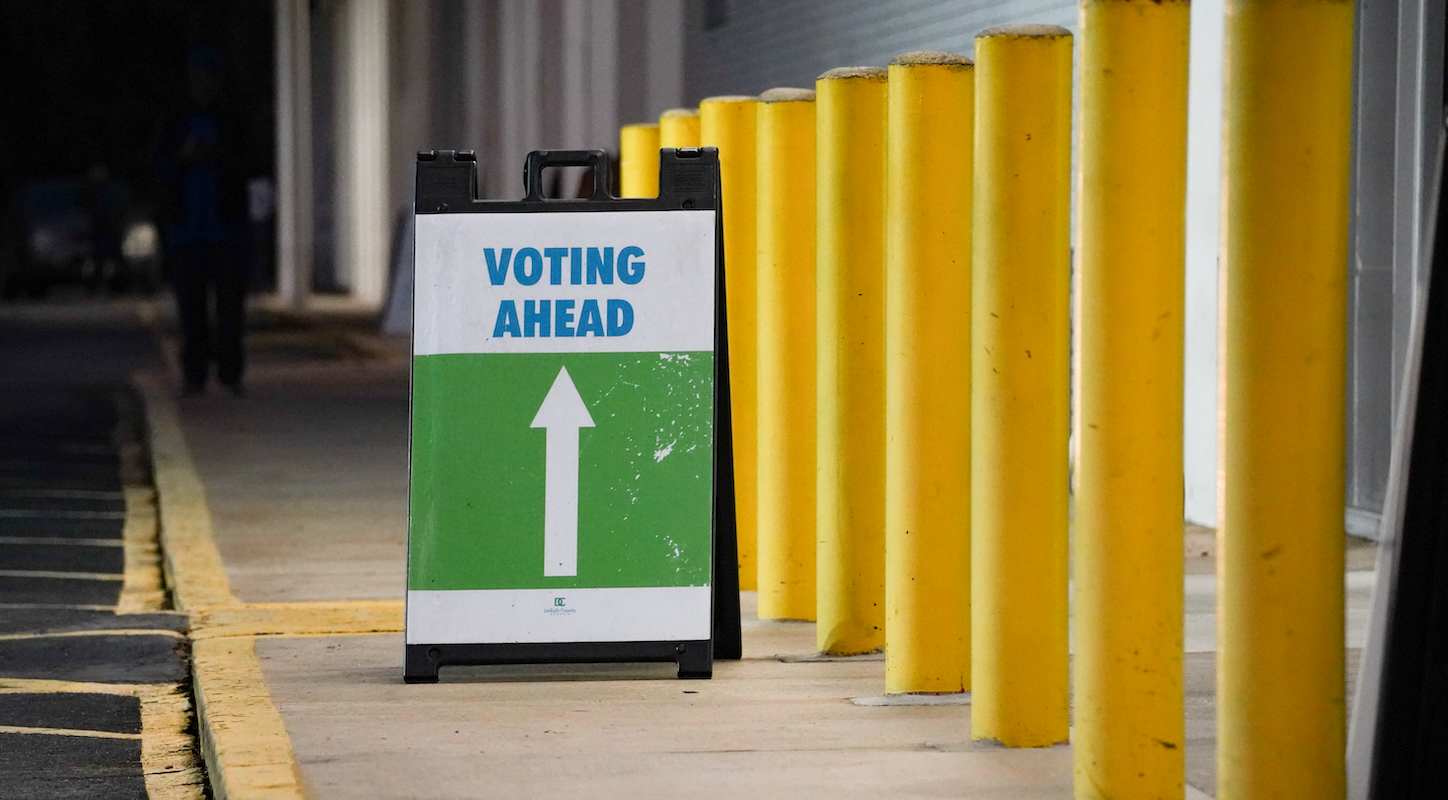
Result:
pixel 80 683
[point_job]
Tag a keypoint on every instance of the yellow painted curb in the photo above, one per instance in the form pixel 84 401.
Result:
pixel 168 753
pixel 298 619
pixel 242 737
pixel 142 589
pixel 247 751
pixel 243 740
pixel 192 562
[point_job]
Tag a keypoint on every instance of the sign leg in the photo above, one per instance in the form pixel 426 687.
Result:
pixel 420 664
pixel 696 660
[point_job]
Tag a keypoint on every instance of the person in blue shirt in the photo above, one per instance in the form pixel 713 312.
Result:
pixel 199 160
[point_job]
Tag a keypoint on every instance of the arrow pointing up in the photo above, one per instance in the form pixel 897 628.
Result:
pixel 561 415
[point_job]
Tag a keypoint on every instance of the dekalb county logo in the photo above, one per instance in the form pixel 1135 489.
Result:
pixel 560 606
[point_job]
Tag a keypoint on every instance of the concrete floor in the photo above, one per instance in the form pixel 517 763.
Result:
pixel 307 481
pixel 760 728
pixel 307 484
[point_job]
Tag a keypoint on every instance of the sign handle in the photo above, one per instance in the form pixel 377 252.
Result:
pixel 539 160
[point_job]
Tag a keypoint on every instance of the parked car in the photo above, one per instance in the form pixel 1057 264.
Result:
pixel 85 230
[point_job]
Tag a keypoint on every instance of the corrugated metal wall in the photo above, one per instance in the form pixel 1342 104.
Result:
pixel 747 46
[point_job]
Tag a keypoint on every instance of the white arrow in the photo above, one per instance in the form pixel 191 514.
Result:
pixel 561 414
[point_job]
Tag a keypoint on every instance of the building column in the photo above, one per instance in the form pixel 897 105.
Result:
pixel 590 77
pixel 576 63
pixel 665 87
pixel 479 63
pixel 521 75
pixel 364 219
pixel 419 46
pixel 603 117
pixel 294 151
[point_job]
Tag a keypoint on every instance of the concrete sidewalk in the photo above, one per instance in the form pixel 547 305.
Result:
pixel 306 485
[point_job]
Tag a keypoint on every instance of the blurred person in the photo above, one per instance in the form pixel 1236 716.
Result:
pixel 104 204
pixel 198 158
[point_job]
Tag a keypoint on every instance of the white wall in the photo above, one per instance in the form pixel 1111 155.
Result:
pixel 1204 192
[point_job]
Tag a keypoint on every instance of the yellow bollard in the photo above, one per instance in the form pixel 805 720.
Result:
pixel 786 262
pixel 638 160
pixel 927 373
pixel 1288 106
pixel 850 272
pixel 1129 727
pixel 1021 385
pixel 728 124
pixel 679 127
